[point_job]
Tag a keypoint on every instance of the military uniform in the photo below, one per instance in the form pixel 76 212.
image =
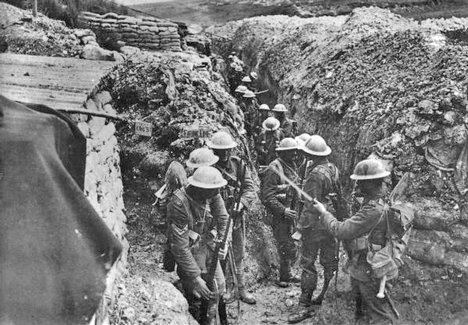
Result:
pixel 366 226
pixel 250 109
pixel 187 220
pixel 267 142
pixel 287 128
pixel 233 174
pixel 277 196
pixel 322 179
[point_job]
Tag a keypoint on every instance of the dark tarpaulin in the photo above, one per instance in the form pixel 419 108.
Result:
pixel 54 249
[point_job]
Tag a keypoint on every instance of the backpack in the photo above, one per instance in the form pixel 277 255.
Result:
pixel 399 218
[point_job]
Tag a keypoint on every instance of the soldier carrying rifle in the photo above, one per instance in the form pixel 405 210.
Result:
pixel 278 198
pixel 322 181
pixel 238 176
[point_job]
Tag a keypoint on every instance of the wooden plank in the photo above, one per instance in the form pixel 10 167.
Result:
pixel 56 82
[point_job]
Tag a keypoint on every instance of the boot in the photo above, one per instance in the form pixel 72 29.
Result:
pixel 286 276
pixel 303 311
pixel 243 294
pixel 246 297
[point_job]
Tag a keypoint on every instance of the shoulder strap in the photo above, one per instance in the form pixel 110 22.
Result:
pixel 182 196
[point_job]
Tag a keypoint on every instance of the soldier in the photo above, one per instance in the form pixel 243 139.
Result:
pixel 301 157
pixel 367 228
pixel 267 141
pixel 201 157
pixel 263 114
pixel 287 125
pixel 249 106
pixel 197 218
pixel 322 182
pixel 279 200
pixel 238 177
pixel 239 92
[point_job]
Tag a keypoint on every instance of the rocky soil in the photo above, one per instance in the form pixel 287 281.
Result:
pixel 22 34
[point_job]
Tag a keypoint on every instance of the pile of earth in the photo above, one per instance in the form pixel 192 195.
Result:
pixel 22 33
pixel 374 82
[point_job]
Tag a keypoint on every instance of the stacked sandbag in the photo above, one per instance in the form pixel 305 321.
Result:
pixel 146 33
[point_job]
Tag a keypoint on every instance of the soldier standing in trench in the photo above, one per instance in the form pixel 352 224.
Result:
pixel 267 141
pixel 364 229
pixel 322 181
pixel 287 125
pixel 197 219
pixel 279 200
pixel 249 106
pixel 238 176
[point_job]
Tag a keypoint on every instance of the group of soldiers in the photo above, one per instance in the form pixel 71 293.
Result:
pixel 301 192
pixel 302 195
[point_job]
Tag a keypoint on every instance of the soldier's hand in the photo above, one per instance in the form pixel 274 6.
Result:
pixel 319 207
pixel 291 214
pixel 201 290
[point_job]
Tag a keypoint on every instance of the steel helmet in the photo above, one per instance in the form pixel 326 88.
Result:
pixel 254 75
pixel 302 139
pixel 271 124
pixel 221 140
pixel 264 107
pixel 201 157
pixel 316 146
pixel 241 89
pixel 246 79
pixel 287 144
pixel 249 94
pixel 369 169
pixel 207 177
pixel 279 108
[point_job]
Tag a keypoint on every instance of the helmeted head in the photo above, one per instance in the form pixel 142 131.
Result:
pixel 264 107
pixel 279 108
pixel 302 139
pixel 201 157
pixel 253 75
pixel 316 146
pixel 241 89
pixel 370 174
pixel 287 149
pixel 271 124
pixel 369 169
pixel 206 180
pixel 249 94
pixel 221 142
pixel 246 79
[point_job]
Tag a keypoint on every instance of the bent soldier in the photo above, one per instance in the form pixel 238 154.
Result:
pixel 197 219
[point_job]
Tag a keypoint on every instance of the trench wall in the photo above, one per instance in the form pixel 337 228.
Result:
pixel 374 82
pixel 103 186
pixel 146 33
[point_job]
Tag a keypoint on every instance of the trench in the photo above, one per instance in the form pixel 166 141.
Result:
pixel 425 290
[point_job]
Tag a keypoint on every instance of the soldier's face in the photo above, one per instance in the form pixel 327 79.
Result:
pixel 223 154
pixel 207 193
pixel 289 156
